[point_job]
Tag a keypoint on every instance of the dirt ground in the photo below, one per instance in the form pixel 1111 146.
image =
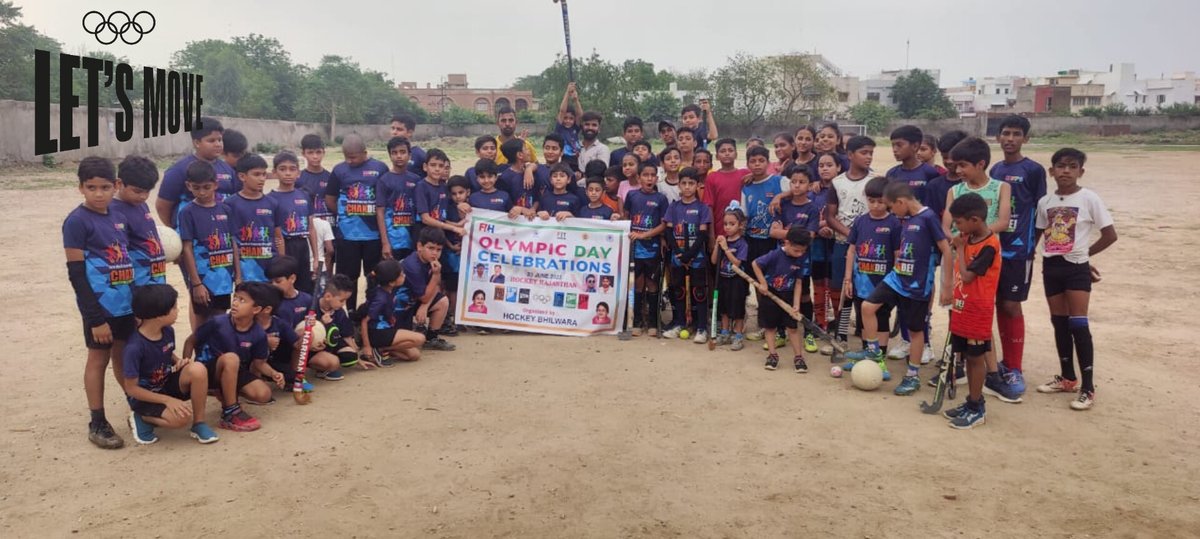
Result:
pixel 533 436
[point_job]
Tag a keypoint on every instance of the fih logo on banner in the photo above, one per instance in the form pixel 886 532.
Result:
pixel 118 24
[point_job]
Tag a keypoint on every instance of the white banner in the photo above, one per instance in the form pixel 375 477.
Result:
pixel 560 278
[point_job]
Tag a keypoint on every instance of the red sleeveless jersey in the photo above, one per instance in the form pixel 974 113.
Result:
pixel 975 302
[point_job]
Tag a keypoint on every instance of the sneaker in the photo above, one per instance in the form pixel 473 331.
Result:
pixel 899 351
pixel 848 366
pixel 636 332
pixel 1013 378
pixel 810 343
pixel 755 335
pixel 772 362
pixel 1059 385
pixel 651 332
pixel 956 411
pixel 960 377
pixel 908 386
pixel 859 355
pixel 1086 400
pixel 240 422
pixel 780 342
pixel 927 355
pixel 143 432
pixel 438 343
pixel 994 385
pixel 969 418
pixel 738 343
pixel 333 376
pixel 724 339
pixel 203 433
pixel 449 329
pixel 801 366
pixel 380 360
pixel 672 333
pixel 481 331
pixel 701 337
pixel 103 436
pixel 887 376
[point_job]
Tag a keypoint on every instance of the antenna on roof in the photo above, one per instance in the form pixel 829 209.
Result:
pixel 907 46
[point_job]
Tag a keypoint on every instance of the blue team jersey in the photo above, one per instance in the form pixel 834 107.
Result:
pixel 782 271
pixel 253 223
pixel 570 136
pixel 554 203
pixel 496 200
pixel 807 215
pixel 685 220
pixel 315 184
pixel 588 212
pixel 936 190
pixel 614 158
pixel 451 259
pixel 105 249
pixel 740 250
pixel 513 181
pixel 288 339
pixel 416 161
pixel 145 248
pixel 149 361
pixel 416 280
pixel 874 242
pixel 218 336
pixel 211 234
pixel 757 197
pixel 645 211
pixel 381 310
pixel 1027 181
pixel 397 196
pixel 293 212
pixel 354 188
pixel 174 188
pixel 293 310
pixel 917 179
pixel 912 272
pixel 428 198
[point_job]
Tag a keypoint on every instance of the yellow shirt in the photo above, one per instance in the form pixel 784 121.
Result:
pixel 530 153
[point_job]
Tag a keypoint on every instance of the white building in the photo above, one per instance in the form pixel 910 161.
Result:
pixel 1120 84
pixel 878 87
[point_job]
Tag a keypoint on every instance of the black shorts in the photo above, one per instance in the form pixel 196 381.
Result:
pixel 771 315
pixel 756 247
pixel 154 409
pixel 912 311
pixel 1015 276
pixel 1060 275
pixel 648 268
pixel 382 338
pixel 883 317
pixel 405 320
pixel 214 381
pixel 122 328
pixel 820 270
pixel 731 297
pixel 298 248
pixel 216 305
pixel 283 366
pixel 969 347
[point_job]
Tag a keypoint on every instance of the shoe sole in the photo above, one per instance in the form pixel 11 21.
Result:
pixel 769 368
pixel 1053 391
pixel 133 429
pixel 982 421
pixel 98 442
pixel 1000 397
pixel 234 428
pixel 197 437
pixel 802 371
pixel 1082 409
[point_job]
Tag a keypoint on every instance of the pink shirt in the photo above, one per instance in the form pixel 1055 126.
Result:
pixel 719 189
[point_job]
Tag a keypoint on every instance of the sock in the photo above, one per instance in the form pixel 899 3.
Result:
pixel 928 328
pixel 1082 334
pixel 652 309
pixel 430 335
pixel 883 350
pixel 843 320
pixel 913 370
pixel 739 335
pixel 1002 323
pixel 1063 342
pixel 228 411
pixel 1014 345
pixel 98 416
pixel 678 305
pixel 806 309
pixel 818 314
pixel 904 332
pixel 638 299
pixel 871 346
pixel 975 405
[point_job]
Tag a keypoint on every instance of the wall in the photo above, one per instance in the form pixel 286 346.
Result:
pixel 1055 124
pixel 17 143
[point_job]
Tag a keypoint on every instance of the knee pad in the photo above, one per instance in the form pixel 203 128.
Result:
pixel 347 358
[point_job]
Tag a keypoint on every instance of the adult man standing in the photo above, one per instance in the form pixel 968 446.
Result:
pixel 592 148
pixel 506 120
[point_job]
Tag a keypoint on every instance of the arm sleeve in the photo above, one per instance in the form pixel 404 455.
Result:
pixel 983 261
pixel 85 297
pixel 333 188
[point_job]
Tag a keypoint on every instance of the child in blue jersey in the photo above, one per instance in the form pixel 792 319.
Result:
pixel 1027 184
pixel 688 222
pixel 405 127
pixel 395 203
pixel 314 179
pixel 937 188
pixel 821 250
pixel 778 273
pixel 458 189
pixel 645 209
pixel 558 202
pixel 595 207
pixel 908 285
pixel 731 250
pixel 383 335
pixel 293 307
pixel 485 148
pixel 844 202
pixel 233 147
pixel 874 238
pixel 757 193
pixel 282 341
pixel 522 179
pixel 567 126
pixel 339 330
pixel 419 299
pixel 488 197
pixel 906 142
pixel 552 152
pixel 163 390
pixel 136 177
pixel 208 146
pixel 101 275
pixel 799 210
pixel 351 193
pixel 255 221
pixel 294 216
pixel 207 258
pixel 432 193
pixel 700 119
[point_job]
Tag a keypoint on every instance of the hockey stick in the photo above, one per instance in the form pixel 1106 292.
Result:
pixel 567 36
pixel 712 322
pixel 687 297
pixel 299 391
pixel 945 380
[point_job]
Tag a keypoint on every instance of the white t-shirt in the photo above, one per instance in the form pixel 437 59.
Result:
pixel 671 191
pixel 851 198
pixel 1068 222
pixel 324 232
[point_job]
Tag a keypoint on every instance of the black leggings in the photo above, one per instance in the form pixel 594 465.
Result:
pixel 356 258
pixel 297 248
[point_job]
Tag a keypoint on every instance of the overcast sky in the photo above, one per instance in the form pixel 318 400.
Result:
pixel 494 44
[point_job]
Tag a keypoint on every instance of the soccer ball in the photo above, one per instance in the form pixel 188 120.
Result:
pixel 867 375
pixel 171 244
pixel 318 337
pixel 684 334
pixel 835 371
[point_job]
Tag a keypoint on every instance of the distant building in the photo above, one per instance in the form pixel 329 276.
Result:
pixel 878 87
pixel 455 92
pixel 1119 85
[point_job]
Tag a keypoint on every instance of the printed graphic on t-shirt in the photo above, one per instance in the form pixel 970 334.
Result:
pixel 220 248
pixel 255 242
pixel 360 200
pixel 120 269
pixel 1060 236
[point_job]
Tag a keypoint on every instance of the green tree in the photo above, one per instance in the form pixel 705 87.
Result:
pixel 17 62
pixel 873 115
pixel 280 84
pixel 743 90
pixel 802 91
pixel 657 106
pixel 331 92
pixel 918 95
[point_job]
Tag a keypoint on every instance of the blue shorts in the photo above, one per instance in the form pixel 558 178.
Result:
pixel 838 272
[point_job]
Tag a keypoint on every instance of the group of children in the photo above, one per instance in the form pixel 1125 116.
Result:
pixel 815 227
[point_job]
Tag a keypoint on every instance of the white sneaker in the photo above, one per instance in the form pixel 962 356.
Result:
pixel 701 337
pixel 1085 401
pixel 672 333
pixel 900 351
pixel 756 335
pixel 927 355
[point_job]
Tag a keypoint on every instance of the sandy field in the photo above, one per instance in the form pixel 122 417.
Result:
pixel 533 436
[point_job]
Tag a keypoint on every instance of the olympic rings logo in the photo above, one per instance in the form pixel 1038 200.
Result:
pixel 118 24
